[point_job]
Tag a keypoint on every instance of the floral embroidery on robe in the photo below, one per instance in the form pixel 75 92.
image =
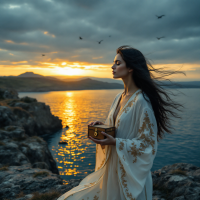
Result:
pixel 123 172
pixel 137 153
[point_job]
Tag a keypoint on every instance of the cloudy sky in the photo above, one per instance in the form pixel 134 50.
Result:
pixel 30 28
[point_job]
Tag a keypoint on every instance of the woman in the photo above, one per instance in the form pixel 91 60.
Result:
pixel 140 115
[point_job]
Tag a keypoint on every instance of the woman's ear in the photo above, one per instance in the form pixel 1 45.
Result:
pixel 130 70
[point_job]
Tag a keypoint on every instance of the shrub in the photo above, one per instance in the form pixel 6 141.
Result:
pixel 42 173
pixel 53 195
pixel 4 168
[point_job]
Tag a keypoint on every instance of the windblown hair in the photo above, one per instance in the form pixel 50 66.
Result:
pixel 144 79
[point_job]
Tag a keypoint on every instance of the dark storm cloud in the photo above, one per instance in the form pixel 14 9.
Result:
pixel 128 22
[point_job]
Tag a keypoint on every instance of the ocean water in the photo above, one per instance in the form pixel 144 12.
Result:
pixel 76 159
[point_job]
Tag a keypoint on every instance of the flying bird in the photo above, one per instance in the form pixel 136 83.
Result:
pixel 109 35
pixel 43 55
pixel 160 37
pixel 80 38
pixel 100 41
pixel 160 16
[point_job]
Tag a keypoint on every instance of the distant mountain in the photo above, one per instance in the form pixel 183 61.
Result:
pixel 36 84
pixel 108 80
pixel 32 74
pixel 30 81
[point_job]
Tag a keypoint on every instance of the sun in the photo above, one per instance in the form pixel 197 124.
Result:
pixel 68 71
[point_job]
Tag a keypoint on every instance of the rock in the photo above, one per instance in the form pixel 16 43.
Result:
pixel 27 99
pixel 24 178
pixel 6 116
pixel 10 154
pixel 35 117
pixel 32 150
pixel 13 132
pixel 40 165
pixel 179 181
pixel 7 93
pixel 22 152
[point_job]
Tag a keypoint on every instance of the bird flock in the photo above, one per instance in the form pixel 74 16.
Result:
pixel 159 17
pixel 99 42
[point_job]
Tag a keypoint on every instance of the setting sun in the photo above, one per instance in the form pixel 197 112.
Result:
pixel 68 71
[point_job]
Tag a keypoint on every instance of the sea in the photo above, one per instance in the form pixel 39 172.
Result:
pixel 78 108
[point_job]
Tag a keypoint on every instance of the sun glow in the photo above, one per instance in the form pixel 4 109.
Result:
pixel 68 71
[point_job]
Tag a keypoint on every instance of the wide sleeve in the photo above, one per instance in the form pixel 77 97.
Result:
pixel 136 155
pixel 100 149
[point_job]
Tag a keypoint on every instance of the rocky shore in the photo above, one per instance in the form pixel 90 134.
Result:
pixel 29 172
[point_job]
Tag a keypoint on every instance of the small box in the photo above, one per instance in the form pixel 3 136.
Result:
pixel 95 131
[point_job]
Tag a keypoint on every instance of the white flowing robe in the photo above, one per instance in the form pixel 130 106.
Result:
pixel 123 172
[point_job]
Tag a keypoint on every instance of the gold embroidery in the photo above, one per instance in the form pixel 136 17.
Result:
pixel 121 146
pixel 118 123
pixel 101 164
pixel 95 197
pixel 90 184
pixel 147 139
pixel 129 195
pixel 127 106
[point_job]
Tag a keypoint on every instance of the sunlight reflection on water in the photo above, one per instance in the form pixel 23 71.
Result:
pixel 76 159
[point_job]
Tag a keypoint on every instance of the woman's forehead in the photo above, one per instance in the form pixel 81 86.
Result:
pixel 118 58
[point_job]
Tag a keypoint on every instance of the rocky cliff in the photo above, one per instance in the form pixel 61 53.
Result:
pixel 22 121
pixel 35 117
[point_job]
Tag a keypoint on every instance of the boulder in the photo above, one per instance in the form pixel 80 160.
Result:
pixel 180 181
pixel 18 180
pixel 7 93
pixel 20 150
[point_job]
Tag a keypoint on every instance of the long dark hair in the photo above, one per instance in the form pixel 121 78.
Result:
pixel 152 86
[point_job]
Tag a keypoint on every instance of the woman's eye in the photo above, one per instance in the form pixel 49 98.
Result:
pixel 118 63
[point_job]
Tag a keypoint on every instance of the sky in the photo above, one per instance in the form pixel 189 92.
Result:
pixel 30 28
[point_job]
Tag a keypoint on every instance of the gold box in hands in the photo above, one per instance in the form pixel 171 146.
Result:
pixel 95 131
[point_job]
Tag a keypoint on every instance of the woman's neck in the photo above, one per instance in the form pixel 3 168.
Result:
pixel 129 86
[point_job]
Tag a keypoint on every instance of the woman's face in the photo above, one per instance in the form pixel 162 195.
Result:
pixel 119 67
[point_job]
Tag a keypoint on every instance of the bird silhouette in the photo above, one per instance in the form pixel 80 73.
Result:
pixel 160 37
pixel 100 41
pixel 160 16
pixel 80 38
pixel 109 35
pixel 43 55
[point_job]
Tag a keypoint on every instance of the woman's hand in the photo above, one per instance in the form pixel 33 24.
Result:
pixel 110 140
pixel 95 122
